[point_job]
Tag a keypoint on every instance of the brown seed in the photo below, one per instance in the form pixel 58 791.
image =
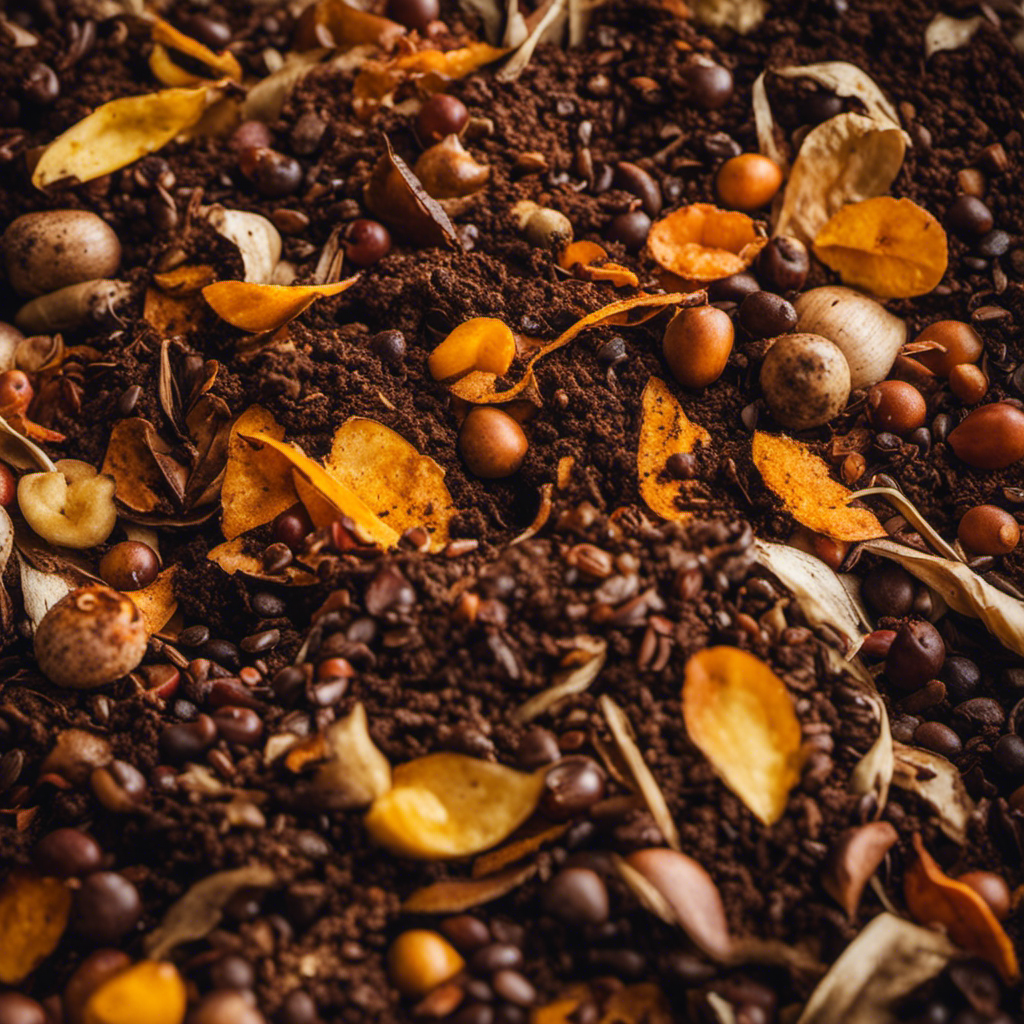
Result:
pixel 748 181
pixel 992 437
pixel 92 972
pixel 988 530
pixel 806 380
pixel 419 960
pixel 130 565
pixel 896 406
pixel 968 382
pixel 853 859
pixel 959 340
pixel 992 888
pixel 915 655
pixel 854 467
pixel 491 443
pixel 439 116
pixel 697 345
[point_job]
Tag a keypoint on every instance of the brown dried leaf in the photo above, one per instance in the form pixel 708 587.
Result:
pixel 511 853
pixel 802 480
pixel 34 912
pixel 157 602
pixel 665 430
pixel 572 680
pixel 934 898
pixel 194 915
pixel 131 461
pixel 258 307
pixel 703 243
pixel 938 783
pixel 853 858
pixel 334 23
pixel 449 805
pixel 396 196
pixel 457 895
pixel 740 715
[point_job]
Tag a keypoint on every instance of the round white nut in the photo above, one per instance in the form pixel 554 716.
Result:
pixel 806 380
pixel 49 250
pixel 90 637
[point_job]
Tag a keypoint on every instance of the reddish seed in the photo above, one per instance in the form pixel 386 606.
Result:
pixel 440 116
pixel 896 406
pixel 8 485
pixel 366 242
pixel 988 530
pixel 16 391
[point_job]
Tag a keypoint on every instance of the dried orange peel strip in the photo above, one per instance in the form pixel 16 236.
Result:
pixel 591 261
pixel 703 243
pixel 478 387
pixel 161 62
pixel 266 307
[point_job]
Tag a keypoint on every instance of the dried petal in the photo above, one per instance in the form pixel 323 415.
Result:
pixel 936 899
pixel 703 243
pixel 570 681
pixel 449 805
pixel 150 991
pixel 665 431
pixel 740 715
pixel 156 602
pixel 802 480
pixel 119 133
pixel 392 479
pixel 843 160
pixel 890 247
pixel 334 23
pixel 946 33
pixel 33 915
pixel 266 307
pixel 938 783
pixel 457 895
pixel 169 42
pixel 257 240
pixel 356 772
pixel 483 343
pixel 853 859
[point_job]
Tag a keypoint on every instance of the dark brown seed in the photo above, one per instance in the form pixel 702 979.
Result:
pixel 466 933
pixel 194 636
pixel 981 712
pixel 709 84
pixel 496 956
pixel 267 605
pixel 681 465
pixel 292 527
pixel 67 852
pixel 390 346
pixel 635 180
pixel 992 888
pixel 767 315
pixel 571 787
pixel 734 288
pixel 238 725
pixel 276 174
pixel 307 134
pixel 491 443
pixel 298 1008
pixel 257 643
pixel 417 14
pixel 366 242
pixel 440 116
pixel 1009 754
pixel 938 737
pixel 10 768
pixel 783 264
pixel 187 741
pixel 630 229
pixel 251 135
pixel 130 565
pixel 961 676
pixel 209 31
pixel 106 907
pixel 916 655
pixel 577 896
pixel 968 217
pixel 538 747
pixel 888 590
pixel 18 1009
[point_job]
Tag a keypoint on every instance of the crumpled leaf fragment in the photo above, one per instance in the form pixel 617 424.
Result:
pixel 888 960
pixel 873 773
pixel 34 912
pixel 643 1003
pixel 529 840
pixel 169 43
pixel 195 914
pixel 457 895
pixel 845 159
pixel 589 261
pixel 740 716
pixel 846 79
pixel 129 460
pixel 665 430
pixel 853 859
pixel 156 602
pixel 818 591
pixel 934 898
pixel 547 17
pixel 118 133
pixel 938 783
pixel 478 387
pixel 257 240
pixel 702 243
pixel 962 589
pixel 947 33
pixel 20 452
pixel 890 247
pixel 258 307
pixel 802 480
pixel 449 805
pixel 581 667
pixel 336 24
pixel 741 16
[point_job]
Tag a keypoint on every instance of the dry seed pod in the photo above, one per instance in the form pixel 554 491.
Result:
pixel 448 170
pixel 866 333
pixel 47 251
pixel 806 380
pixel 73 306
pixel 89 638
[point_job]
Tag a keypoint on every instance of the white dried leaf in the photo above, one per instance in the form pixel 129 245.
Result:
pixel 847 80
pixel 939 784
pixel 6 539
pixel 946 33
pixel 887 961
pixel 818 590
pixel 257 240
pixel 873 773
pixel 553 14
pixel 515 26
pixel 491 15
pixel 742 16
pixel 15 35
pixel 568 682
pixel 845 159
pixel 580 12
pixel 962 589
pixel 909 512
pixel 40 591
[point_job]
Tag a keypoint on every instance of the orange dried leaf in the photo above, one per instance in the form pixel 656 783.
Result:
pixel 33 915
pixel 334 23
pixel 399 485
pixel 170 41
pixel 633 1004
pixel 934 898
pixel 150 991
pixel 187 279
pixel 255 489
pixel 703 243
pixel 591 262
pixel 479 387
pixel 266 307
pixel 457 895
pixel 740 715
pixel 795 474
pixel 233 557
pixel 483 343
pixel 890 247
pixel 157 602
pixel 511 853
pixel 170 315
pixel 665 430
pixel 129 460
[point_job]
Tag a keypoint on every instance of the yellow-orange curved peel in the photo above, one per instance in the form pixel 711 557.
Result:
pixel 34 912
pixel 168 39
pixel 703 243
pixel 483 343
pixel 590 261
pixel 266 307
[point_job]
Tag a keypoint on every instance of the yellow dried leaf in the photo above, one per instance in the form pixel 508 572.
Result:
pixel 483 343
pixel 33 915
pixel 479 387
pixel 255 489
pixel 664 431
pixel 457 895
pixel 118 133
pixel 157 603
pixel 740 716
pixel 591 262
pixel 187 279
pixel 495 860
pixel 265 307
pixel 450 805
pixel 168 39
pixel 233 557
pixel 703 243
pixel 398 484
pixel 170 315
pixel 150 991
pixel 890 247
pixel 802 480
pixel 934 898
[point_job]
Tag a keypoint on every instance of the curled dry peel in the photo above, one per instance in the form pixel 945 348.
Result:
pixel 483 344
pixel 34 912
pixel 703 243
pixel 259 307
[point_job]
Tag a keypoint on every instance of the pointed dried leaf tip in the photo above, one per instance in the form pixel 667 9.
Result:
pixel 265 307
pixel 740 715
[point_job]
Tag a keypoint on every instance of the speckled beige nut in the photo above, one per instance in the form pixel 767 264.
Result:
pixel 89 638
pixel 806 381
